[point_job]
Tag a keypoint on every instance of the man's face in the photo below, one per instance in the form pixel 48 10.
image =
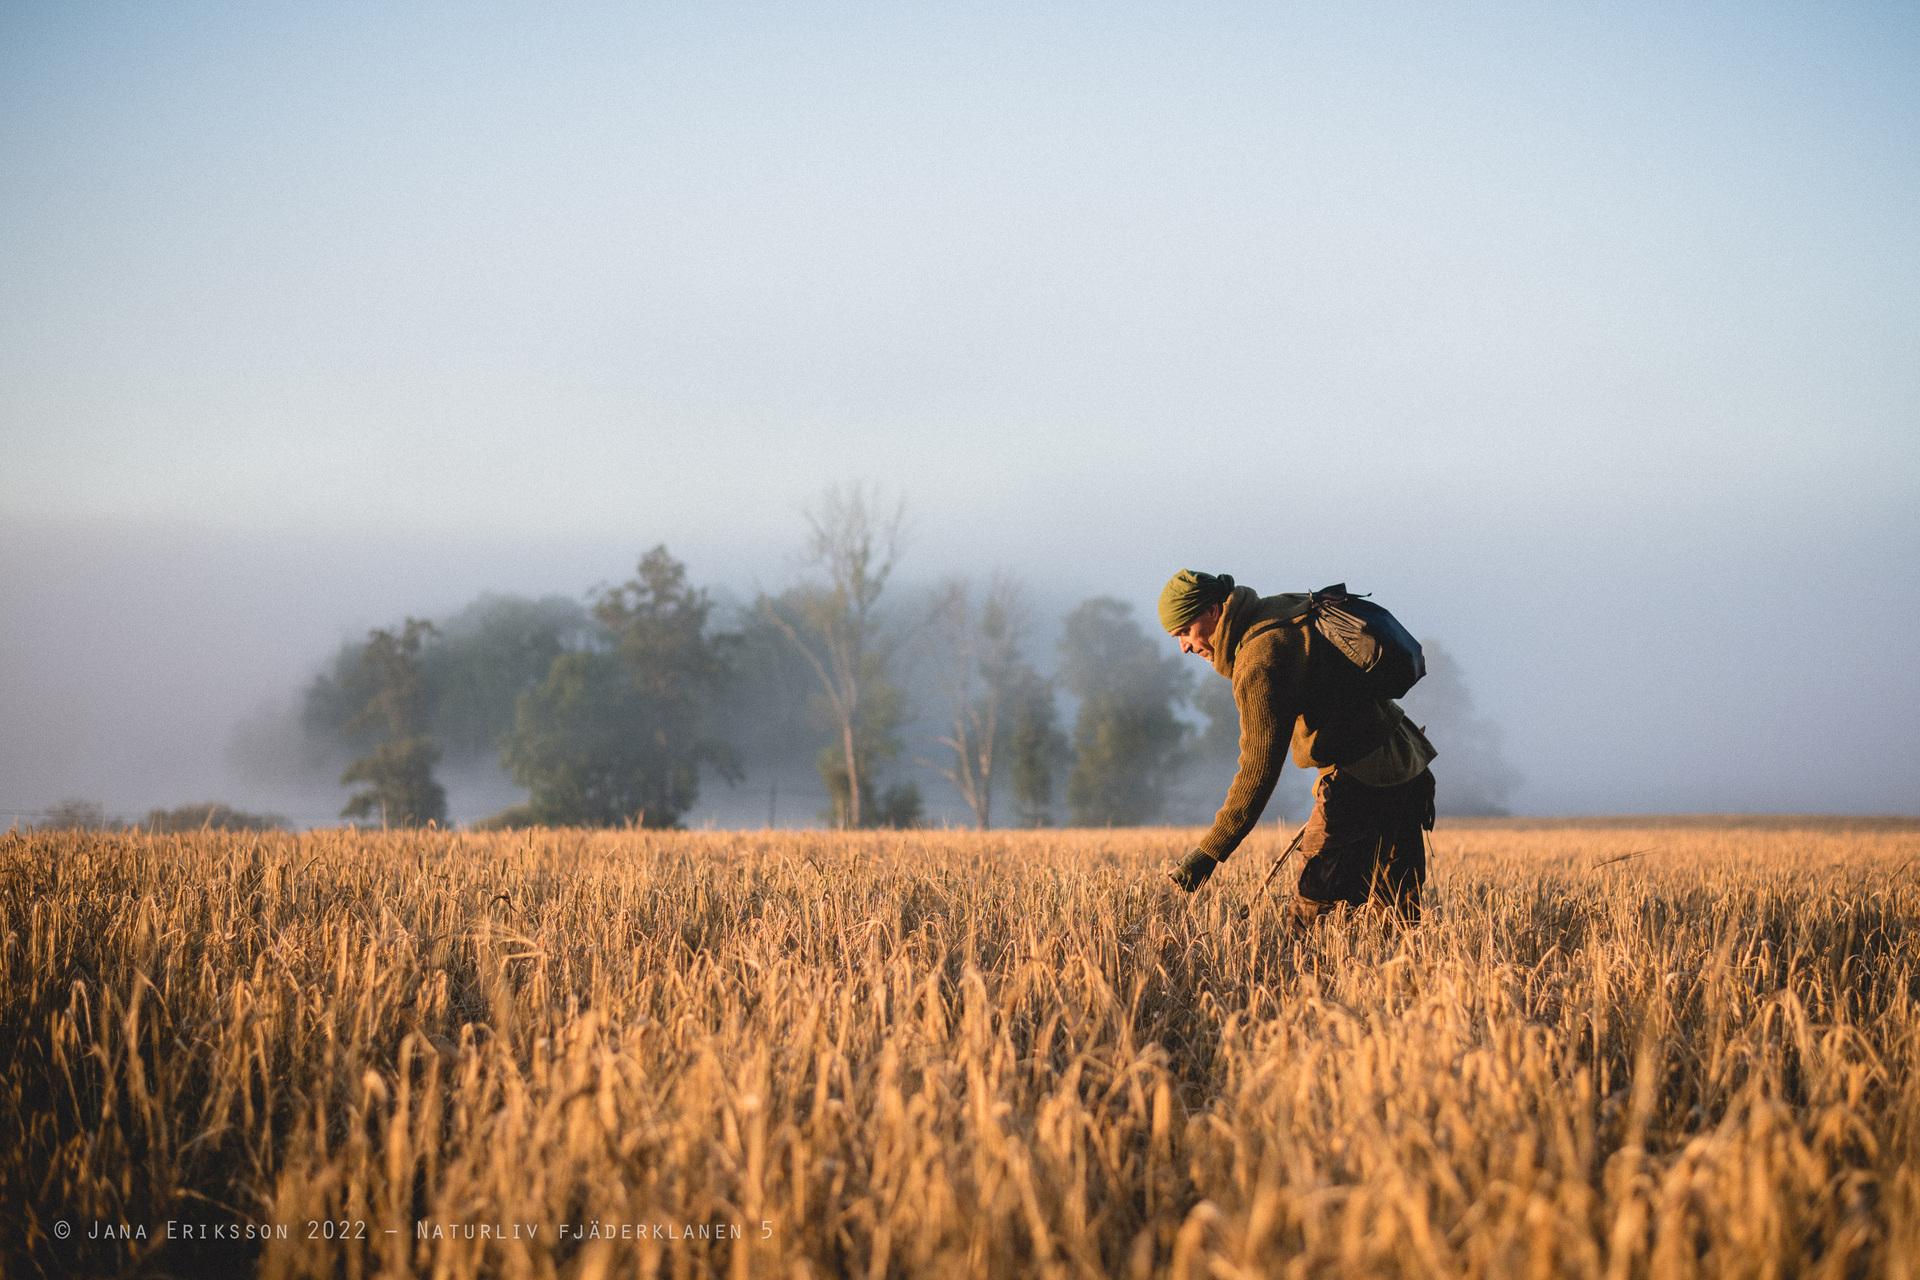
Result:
pixel 1198 635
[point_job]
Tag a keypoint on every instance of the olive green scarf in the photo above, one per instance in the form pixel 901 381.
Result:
pixel 1247 611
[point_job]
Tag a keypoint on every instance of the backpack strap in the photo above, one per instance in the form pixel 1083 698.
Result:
pixel 1313 600
pixel 1302 610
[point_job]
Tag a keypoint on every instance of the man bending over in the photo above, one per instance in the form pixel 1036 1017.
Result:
pixel 1373 801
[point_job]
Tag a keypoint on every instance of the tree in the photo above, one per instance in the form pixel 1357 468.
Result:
pixel 482 659
pixel 399 770
pixel 658 623
pixel 486 656
pixel 1212 756
pixel 835 623
pixel 978 642
pixel 852 800
pixel 331 702
pixel 1477 776
pixel 1036 746
pixel 620 735
pixel 772 713
pixel 1127 737
pixel 592 752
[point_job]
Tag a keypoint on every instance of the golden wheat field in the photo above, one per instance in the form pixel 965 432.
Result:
pixel 945 1054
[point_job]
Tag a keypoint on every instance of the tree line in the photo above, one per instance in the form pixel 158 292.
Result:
pixel 613 711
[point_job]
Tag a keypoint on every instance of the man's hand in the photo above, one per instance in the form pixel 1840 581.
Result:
pixel 1193 870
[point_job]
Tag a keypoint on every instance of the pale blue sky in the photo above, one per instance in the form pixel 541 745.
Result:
pixel 1587 337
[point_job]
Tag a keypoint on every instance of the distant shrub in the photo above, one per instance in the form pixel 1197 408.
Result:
pixel 900 807
pixel 212 816
pixel 516 818
pixel 80 815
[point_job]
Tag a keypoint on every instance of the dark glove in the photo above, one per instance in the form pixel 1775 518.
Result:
pixel 1193 870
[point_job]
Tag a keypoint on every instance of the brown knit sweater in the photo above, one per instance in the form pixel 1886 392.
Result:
pixel 1289 682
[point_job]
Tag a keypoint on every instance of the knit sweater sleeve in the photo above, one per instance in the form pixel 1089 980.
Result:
pixel 1266 724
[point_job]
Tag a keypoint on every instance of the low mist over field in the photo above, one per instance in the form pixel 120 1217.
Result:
pixel 149 666
pixel 1583 341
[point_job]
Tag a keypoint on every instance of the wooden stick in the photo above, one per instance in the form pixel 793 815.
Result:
pixel 1279 862
pixel 1637 853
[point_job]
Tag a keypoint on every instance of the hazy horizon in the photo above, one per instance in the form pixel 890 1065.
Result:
pixel 1584 341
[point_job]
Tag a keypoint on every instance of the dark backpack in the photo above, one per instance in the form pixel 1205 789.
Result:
pixel 1369 637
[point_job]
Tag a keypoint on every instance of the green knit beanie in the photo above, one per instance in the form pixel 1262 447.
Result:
pixel 1189 594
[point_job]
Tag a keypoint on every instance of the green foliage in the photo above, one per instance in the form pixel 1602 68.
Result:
pixel 620 736
pixel 978 649
pixel 211 816
pixel 1037 747
pixel 772 710
pixel 390 672
pixel 876 737
pixel 588 749
pixel 402 791
pixel 331 702
pixel 488 654
pixel 658 623
pixel 398 773
pixel 1127 737
pixel 900 808
pixel 483 658
pixel 836 624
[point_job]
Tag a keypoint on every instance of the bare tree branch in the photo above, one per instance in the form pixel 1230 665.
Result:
pixel 853 544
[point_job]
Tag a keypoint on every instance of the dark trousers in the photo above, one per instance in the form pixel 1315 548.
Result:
pixel 1365 845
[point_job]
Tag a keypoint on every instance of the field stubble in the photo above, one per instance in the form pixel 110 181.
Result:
pixel 947 1053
